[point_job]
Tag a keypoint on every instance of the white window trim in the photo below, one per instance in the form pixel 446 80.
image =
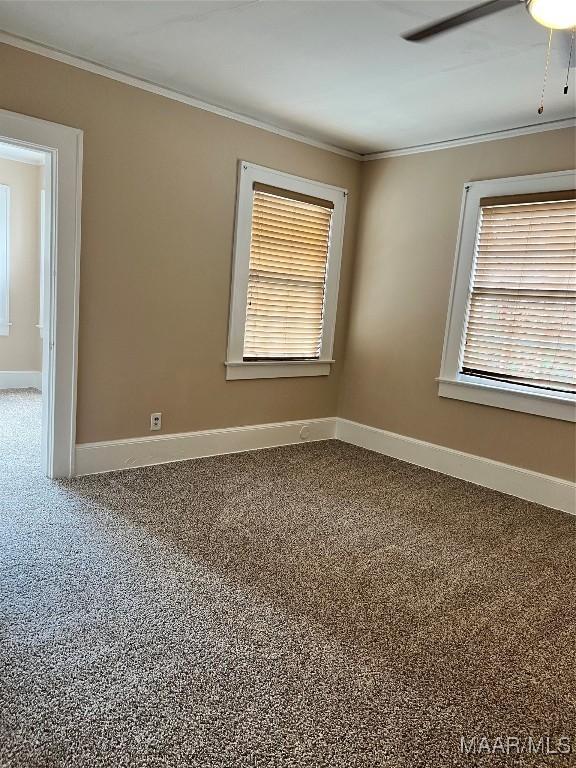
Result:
pixel 236 367
pixel 5 262
pixel 452 383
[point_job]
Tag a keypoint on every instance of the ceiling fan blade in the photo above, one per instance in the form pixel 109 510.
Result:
pixel 457 19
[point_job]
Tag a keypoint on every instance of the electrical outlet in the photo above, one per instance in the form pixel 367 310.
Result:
pixel 155 422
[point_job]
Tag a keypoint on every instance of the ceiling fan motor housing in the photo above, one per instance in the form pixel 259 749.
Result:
pixel 554 14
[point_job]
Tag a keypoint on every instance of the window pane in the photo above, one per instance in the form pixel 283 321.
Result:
pixel 4 245
pixel 287 277
pixel 521 324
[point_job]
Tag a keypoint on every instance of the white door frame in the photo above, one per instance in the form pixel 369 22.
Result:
pixel 61 282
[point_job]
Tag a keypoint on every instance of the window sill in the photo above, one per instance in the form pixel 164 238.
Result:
pixel 276 369
pixel 510 397
pixel 5 330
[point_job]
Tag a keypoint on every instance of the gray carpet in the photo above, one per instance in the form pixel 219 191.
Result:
pixel 315 605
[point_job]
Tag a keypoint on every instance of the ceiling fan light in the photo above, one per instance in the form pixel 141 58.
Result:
pixel 554 14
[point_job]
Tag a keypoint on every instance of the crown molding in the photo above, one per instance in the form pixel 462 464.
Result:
pixel 122 77
pixel 477 138
pixel 146 85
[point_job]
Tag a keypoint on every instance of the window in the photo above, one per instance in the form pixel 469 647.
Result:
pixel 4 263
pixel 44 237
pixel 511 331
pixel 285 279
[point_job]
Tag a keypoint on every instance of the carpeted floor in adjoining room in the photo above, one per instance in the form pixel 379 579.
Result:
pixel 314 605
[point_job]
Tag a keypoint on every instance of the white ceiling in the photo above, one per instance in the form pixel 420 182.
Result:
pixel 338 72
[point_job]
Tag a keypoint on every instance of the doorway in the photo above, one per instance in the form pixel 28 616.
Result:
pixel 24 233
pixel 51 366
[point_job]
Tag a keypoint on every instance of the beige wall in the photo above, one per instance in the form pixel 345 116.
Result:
pixel 407 235
pixel 159 190
pixel 21 350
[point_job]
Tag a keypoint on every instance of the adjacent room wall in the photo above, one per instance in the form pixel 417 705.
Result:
pixel 21 350
pixel 159 190
pixel 408 226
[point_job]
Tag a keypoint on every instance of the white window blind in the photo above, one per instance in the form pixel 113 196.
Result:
pixel 287 275
pixel 521 322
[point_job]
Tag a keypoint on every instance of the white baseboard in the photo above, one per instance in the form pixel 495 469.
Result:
pixel 533 486
pixel 92 458
pixel 20 379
